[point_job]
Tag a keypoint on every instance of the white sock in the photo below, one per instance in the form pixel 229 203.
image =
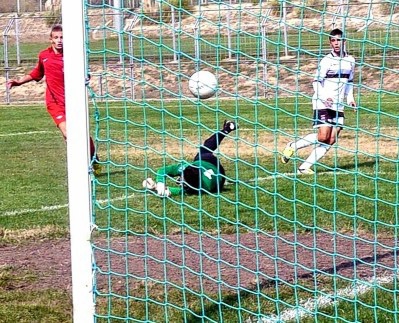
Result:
pixel 306 141
pixel 315 155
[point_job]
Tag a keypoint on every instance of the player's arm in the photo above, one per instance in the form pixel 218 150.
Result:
pixel 162 174
pixel 349 94
pixel 175 190
pixel 349 88
pixel 20 81
pixel 36 74
pixel 168 171
pixel 318 82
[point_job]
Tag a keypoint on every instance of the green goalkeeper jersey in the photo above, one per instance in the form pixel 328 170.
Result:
pixel 211 179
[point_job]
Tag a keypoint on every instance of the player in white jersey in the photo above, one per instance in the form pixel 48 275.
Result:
pixel 332 83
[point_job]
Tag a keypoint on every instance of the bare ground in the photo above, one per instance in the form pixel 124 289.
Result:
pixel 243 144
pixel 228 262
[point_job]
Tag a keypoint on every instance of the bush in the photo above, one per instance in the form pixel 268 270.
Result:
pixel 310 8
pixel 274 5
pixel 165 13
pixel 388 7
pixel 24 6
pixel 53 18
pixel 315 7
pixel 185 5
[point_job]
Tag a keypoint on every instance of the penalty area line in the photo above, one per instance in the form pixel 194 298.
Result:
pixel 228 183
pixel 310 306
pixel 58 207
pixel 25 133
pixel 284 175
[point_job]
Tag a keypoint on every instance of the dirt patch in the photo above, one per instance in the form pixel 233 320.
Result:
pixel 208 263
pixel 265 144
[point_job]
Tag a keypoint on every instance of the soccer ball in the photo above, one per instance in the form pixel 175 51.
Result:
pixel 203 84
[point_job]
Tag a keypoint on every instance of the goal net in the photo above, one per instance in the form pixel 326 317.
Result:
pixel 274 245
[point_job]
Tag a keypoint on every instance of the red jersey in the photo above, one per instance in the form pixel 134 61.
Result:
pixel 51 65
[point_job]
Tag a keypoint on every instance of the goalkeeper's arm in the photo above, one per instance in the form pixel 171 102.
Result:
pixel 162 174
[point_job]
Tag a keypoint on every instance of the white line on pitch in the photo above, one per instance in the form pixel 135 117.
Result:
pixel 259 179
pixel 310 306
pixel 41 209
pixel 58 207
pixel 282 175
pixel 24 133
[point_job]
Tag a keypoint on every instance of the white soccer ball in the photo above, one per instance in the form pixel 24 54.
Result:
pixel 203 84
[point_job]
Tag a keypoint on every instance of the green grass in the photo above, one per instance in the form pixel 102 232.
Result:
pixel 50 306
pixel 184 305
pixel 33 155
pixel 353 193
pixel 244 45
pixel 287 201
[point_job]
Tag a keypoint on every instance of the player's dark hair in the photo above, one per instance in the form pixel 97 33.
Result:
pixel 336 32
pixel 192 179
pixel 55 28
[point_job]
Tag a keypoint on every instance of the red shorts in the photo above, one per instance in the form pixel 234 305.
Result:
pixel 57 112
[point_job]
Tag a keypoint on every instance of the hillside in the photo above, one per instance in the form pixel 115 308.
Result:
pixel 293 72
pixel 243 17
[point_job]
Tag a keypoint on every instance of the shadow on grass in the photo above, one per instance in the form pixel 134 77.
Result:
pixel 234 299
pixel 352 166
pixel 119 172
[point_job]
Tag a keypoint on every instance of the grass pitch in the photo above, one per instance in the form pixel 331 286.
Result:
pixel 261 192
pixel 354 191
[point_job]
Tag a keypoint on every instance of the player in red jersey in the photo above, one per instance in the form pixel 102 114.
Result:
pixel 51 66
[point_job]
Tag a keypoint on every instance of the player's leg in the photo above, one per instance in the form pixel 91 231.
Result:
pixel 213 142
pixel 328 132
pixel 324 133
pixel 338 121
pixel 57 113
pixel 308 140
pixel 62 127
pixel 93 155
pixel 293 146
pixel 208 156
pixel 192 171
pixel 210 145
pixel 97 168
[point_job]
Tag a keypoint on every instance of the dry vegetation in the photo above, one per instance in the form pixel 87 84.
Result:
pixel 294 77
pixel 24 6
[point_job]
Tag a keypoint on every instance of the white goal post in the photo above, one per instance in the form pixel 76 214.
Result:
pixel 79 185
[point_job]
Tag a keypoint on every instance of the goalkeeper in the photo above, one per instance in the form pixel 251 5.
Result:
pixel 205 173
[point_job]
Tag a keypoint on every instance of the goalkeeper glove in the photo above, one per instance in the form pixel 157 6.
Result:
pixel 162 190
pixel 149 184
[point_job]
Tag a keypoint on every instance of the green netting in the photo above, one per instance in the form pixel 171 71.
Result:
pixel 275 245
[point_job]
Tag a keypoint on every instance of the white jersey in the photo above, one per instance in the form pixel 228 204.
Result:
pixel 334 80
